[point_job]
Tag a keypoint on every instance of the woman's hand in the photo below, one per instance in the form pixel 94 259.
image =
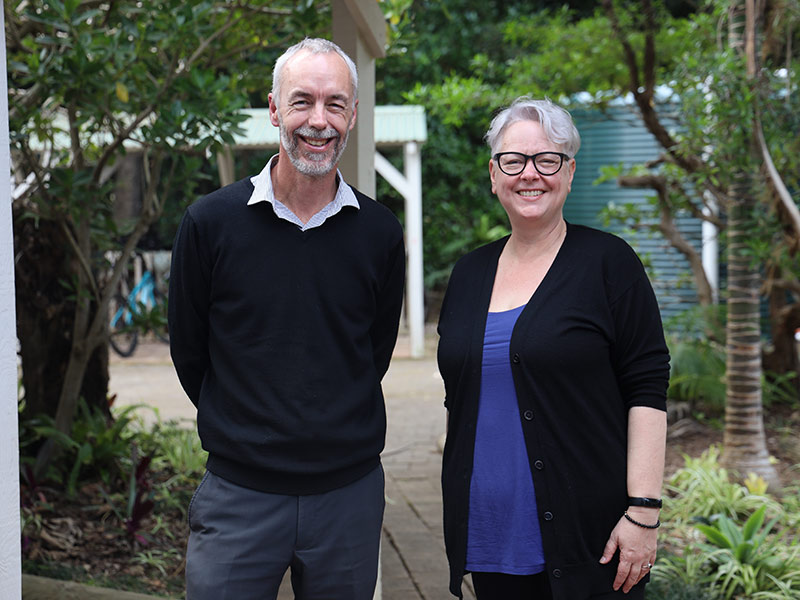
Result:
pixel 637 548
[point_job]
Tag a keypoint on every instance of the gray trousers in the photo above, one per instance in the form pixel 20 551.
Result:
pixel 242 541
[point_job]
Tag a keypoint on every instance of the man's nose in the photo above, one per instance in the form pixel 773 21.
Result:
pixel 317 118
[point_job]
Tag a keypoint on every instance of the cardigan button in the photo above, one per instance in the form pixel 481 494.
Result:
pixel 528 415
pixel 556 573
pixel 548 516
pixel 539 465
pixel 515 359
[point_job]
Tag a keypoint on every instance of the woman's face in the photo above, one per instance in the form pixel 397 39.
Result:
pixel 531 197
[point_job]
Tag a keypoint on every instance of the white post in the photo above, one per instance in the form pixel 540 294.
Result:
pixel 710 250
pixel 10 551
pixel 415 293
pixel 410 187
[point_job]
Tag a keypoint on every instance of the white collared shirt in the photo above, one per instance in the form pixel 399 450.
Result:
pixel 263 192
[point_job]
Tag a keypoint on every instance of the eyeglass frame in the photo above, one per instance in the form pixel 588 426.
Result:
pixel 532 158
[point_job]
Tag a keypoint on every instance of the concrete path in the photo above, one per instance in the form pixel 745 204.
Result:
pixel 413 563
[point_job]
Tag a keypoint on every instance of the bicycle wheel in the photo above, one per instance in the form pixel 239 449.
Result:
pixel 122 334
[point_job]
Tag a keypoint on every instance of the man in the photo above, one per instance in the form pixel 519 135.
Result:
pixel 285 296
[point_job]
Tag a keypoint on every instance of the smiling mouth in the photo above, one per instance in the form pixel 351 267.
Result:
pixel 531 193
pixel 316 142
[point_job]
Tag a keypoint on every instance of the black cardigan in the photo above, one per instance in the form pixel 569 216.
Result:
pixel 281 337
pixel 588 346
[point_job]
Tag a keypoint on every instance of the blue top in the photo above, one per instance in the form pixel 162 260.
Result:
pixel 503 531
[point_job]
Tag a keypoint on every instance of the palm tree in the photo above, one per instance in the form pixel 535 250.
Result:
pixel 744 440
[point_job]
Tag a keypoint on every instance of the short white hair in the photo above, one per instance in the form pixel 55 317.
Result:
pixel 314 46
pixel 555 121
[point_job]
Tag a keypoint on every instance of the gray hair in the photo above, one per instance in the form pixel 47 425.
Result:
pixel 314 46
pixel 556 122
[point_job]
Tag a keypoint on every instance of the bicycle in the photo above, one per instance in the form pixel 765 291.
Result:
pixel 143 308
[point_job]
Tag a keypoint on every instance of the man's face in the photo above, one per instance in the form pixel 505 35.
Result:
pixel 315 112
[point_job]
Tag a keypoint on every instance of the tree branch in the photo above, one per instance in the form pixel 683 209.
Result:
pixel 783 195
pixel 644 99
pixel 670 231
pixel 79 254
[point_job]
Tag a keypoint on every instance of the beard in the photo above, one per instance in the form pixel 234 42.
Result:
pixel 312 164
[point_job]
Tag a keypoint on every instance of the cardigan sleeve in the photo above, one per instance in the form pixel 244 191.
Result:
pixel 188 307
pixel 640 352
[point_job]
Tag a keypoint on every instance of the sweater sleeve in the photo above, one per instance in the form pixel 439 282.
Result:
pixel 640 352
pixel 188 307
pixel 389 304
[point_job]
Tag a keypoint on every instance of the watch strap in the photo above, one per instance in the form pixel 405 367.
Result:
pixel 646 502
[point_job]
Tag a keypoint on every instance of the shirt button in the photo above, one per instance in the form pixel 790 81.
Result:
pixel 539 465
pixel 528 415
pixel 556 573
pixel 548 516
pixel 515 358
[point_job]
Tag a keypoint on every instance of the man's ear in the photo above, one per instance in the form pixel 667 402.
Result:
pixel 353 119
pixel 273 111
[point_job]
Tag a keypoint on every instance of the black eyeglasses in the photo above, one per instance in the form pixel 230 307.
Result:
pixel 546 163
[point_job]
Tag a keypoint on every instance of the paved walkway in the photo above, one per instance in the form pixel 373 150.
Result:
pixel 413 563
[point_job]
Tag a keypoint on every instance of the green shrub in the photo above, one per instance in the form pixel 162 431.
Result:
pixel 702 488
pixel 178 454
pixel 744 561
pixel 94 450
pixel 718 544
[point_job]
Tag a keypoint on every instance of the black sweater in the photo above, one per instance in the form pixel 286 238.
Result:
pixel 587 347
pixel 281 337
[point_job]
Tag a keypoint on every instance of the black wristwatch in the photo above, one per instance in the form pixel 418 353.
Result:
pixel 646 502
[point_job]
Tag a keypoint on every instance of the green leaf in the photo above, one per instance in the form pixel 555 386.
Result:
pixel 753 524
pixel 742 551
pixel 715 536
pixel 84 454
pixel 730 530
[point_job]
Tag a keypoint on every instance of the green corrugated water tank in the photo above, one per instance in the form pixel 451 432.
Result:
pixel 618 136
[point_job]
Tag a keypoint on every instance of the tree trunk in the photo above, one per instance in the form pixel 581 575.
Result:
pixel 744 440
pixel 45 315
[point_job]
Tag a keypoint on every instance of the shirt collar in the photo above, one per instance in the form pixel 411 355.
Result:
pixel 263 192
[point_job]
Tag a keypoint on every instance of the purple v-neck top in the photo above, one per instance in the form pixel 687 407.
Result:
pixel 503 530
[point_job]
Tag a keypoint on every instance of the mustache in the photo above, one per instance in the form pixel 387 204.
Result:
pixel 311 132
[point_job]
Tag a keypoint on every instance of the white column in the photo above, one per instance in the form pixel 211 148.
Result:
pixel 10 561
pixel 415 289
pixel 410 187
pixel 710 250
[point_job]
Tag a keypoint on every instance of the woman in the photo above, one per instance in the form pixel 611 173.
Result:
pixel 555 369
